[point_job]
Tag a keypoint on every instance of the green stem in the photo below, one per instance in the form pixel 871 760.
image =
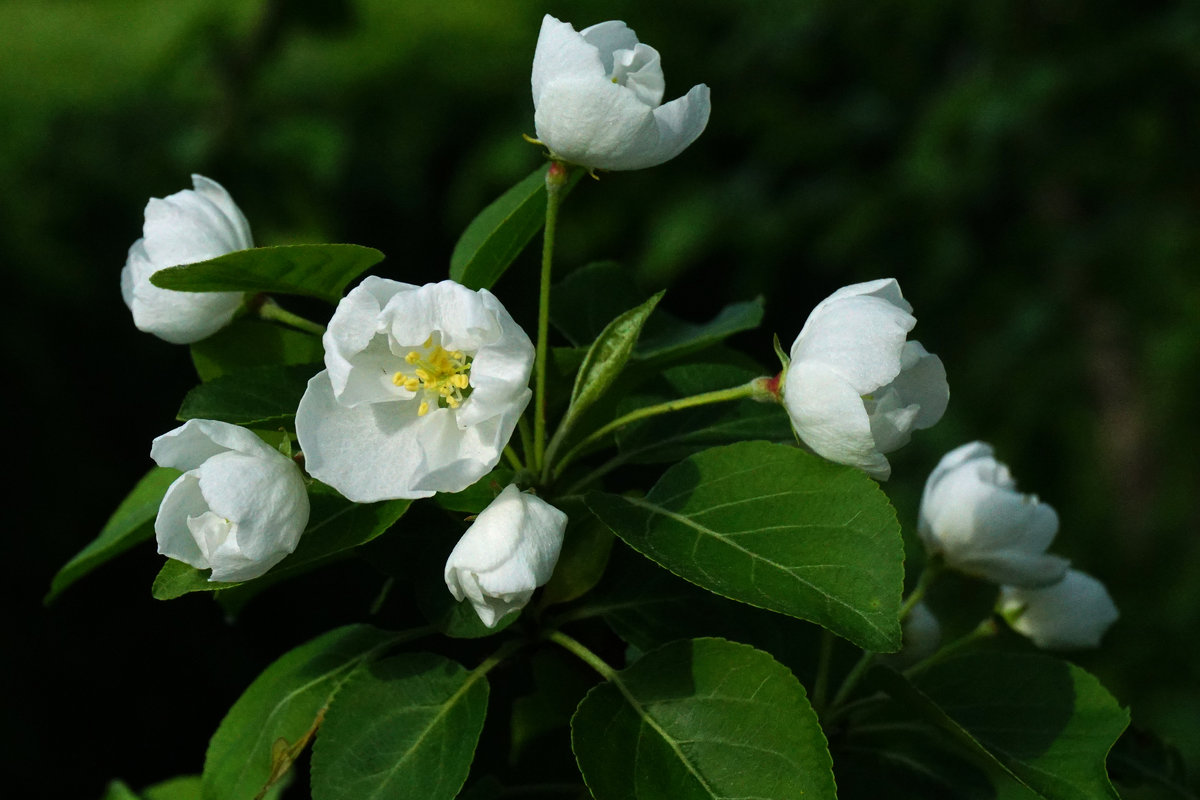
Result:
pixel 556 179
pixel 273 312
pixel 513 460
pixel 587 656
pixel 526 439
pixel 852 678
pixel 933 568
pixel 751 389
pixel 984 630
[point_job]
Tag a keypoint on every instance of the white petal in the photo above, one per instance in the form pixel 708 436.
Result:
pixel 264 497
pixel 561 53
pixel 189 226
pixel 609 37
pixel 640 70
pixel 182 500
pixel 1072 613
pixel 197 440
pixel 216 194
pixel 828 415
pixel 922 382
pixel 176 317
pixel 860 337
pixel 596 123
pixel 354 330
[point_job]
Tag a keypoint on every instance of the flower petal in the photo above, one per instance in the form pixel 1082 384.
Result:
pixel 197 440
pixel 828 415
pixel 608 37
pixel 1073 613
pixel 190 226
pixel 182 500
pixel 561 53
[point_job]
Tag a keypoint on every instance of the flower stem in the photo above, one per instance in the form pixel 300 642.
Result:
pixel 513 460
pixel 556 179
pixel 984 630
pixel 824 658
pixel 933 568
pixel 273 312
pixel 751 389
pixel 587 656
pixel 852 678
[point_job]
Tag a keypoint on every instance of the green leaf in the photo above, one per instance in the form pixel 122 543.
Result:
pixel 119 790
pixel 131 523
pixel 1046 722
pixel 673 338
pixel 584 556
pixel 605 359
pixel 249 343
pixel 702 719
pixel 648 607
pixel 477 496
pixel 263 397
pixel 315 270
pixel 188 787
pixel 403 728
pixel 277 715
pixel 775 527
pixel 589 297
pixel 500 232
pixel 1141 758
pixel 335 526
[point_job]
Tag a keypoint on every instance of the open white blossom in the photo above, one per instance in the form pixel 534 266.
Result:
pixel 597 99
pixel 239 507
pixel 855 389
pixel 972 514
pixel 1071 614
pixel 509 551
pixel 422 389
pixel 184 228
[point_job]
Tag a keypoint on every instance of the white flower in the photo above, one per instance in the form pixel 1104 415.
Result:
pixel 597 96
pixel 972 514
pixel 1073 613
pixel 509 551
pixel 422 389
pixel 184 228
pixel 239 507
pixel 855 389
pixel 922 633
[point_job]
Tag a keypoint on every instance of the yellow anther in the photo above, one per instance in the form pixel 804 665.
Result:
pixel 412 384
pixel 460 381
pixel 428 342
pixel 398 379
pixel 412 357
pixel 424 376
pixel 423 409
pixel 452 402
pixel 457 355
pixel 446 390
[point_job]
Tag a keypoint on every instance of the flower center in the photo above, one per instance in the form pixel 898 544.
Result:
pixel 439 374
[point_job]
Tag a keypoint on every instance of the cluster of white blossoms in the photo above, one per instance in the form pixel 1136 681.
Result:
pixel 424 385
pixel 975 520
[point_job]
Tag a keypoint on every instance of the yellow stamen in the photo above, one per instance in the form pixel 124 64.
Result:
pixel 423 409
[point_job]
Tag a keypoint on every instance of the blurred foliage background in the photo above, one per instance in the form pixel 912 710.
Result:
pixel 1027 170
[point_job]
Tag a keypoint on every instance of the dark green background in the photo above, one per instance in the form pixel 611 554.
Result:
pixel 1027 170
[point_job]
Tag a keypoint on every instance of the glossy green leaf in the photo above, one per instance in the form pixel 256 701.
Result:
pixel 119 790
pixel 702 719
pixel 584 556
pixel 605 359
pixel 477 496
pixel 131 523
pixel 335 526
pixel 315 270
pixel 403 728
pixel 250 343
pixel 280 711
pixel 1141 758
pixel 775 527
pixel 589 297
pixel 1046 722
pixel 263 397
pixel 498 234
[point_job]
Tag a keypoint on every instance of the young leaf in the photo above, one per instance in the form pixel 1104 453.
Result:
pixel 605 359
pixel 672 338
pixel 131 523
pixel 1046 722
pixel 775 527
pixel 315 270
pixel 702 719
pixel 250 343
pixel 335 525
pixel 282 709
pixel 264 397
pixel 405 727
pixel 500 232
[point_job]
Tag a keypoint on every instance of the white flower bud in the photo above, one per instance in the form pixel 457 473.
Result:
pixel 854 388
pixel 509 551
pixel 1071 614
pixel 239 507
pixel 184 228
pixel 973 516
pixel 597 98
